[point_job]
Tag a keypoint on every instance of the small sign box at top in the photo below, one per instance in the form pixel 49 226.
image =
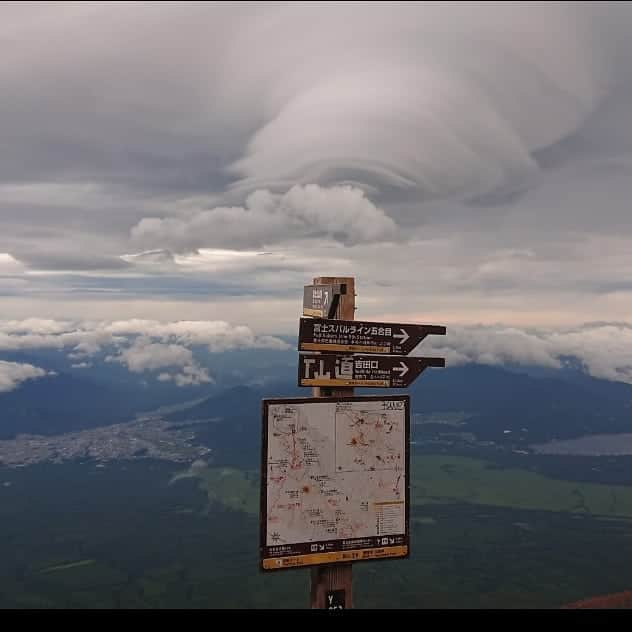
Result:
pixel 321 301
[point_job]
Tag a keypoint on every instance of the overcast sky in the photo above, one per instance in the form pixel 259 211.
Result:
pixel 469 163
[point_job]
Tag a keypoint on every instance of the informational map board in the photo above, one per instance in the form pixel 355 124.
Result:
pixel 335 480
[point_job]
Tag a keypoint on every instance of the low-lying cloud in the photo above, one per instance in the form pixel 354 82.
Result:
pixel 139 345
pixel 604 350
pixel 145 355
pixel 167 350
pixel 86 338
pixel 12 374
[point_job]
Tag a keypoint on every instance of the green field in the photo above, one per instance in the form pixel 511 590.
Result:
pixel 124 537
pixel 440 479
pixel 235 489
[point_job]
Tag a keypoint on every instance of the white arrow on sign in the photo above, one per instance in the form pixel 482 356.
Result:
pixel 402 369
pixel 403 336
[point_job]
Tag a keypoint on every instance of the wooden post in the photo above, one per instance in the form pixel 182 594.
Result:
pixel 331 577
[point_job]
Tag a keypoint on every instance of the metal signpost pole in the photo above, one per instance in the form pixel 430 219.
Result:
pixel 331 584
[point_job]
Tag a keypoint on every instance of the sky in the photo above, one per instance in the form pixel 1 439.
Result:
pixel 468 163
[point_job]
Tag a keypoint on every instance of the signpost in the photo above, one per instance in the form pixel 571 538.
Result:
pixel 335 467
pixel 319 334
pixel 362 370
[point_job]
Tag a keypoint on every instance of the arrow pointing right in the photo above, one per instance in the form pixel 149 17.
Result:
pixel 403 336
pixel 402 369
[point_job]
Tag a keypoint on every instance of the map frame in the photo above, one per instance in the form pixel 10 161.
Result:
pixel 270 562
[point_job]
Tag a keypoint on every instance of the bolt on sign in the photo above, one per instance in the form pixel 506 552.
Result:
pixel 320 334
pixel 335 480
pixel 322 300
pixel 333 370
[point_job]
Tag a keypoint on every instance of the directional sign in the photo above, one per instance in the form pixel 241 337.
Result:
pixel 322 300
pixel 318 334
pixel 362 370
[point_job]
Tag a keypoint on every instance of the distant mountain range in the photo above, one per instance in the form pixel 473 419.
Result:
pixel 568 405
pixel 494 400
pixel 497 405
pixel 59 404
pixel 106 392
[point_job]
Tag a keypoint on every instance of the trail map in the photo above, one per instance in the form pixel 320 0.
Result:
pixel 336 486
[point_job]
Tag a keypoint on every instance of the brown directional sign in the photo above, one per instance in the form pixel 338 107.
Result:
pixel 322 300
pixel 354 336
pixel 332 370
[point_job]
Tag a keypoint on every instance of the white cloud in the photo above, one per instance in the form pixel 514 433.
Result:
pixel 341 212
pixel 139 345
pixel 86 338
pixel 491 345
pixel 445 98
pixel 605 350
pixel 190 376
pixel 86 349
pixel 12 374
pixel 35 326
pixel 145 355
pixel 218 336
pixel 85 341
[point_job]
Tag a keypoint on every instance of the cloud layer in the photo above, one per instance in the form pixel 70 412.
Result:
pixel 12 374
pixel 603 350
pixel 139 345
pixel 145 355
pixel 448 99
pixel 468 162
pixel 167 351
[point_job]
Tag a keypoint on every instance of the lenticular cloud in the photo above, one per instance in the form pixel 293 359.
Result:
pixel 451 99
